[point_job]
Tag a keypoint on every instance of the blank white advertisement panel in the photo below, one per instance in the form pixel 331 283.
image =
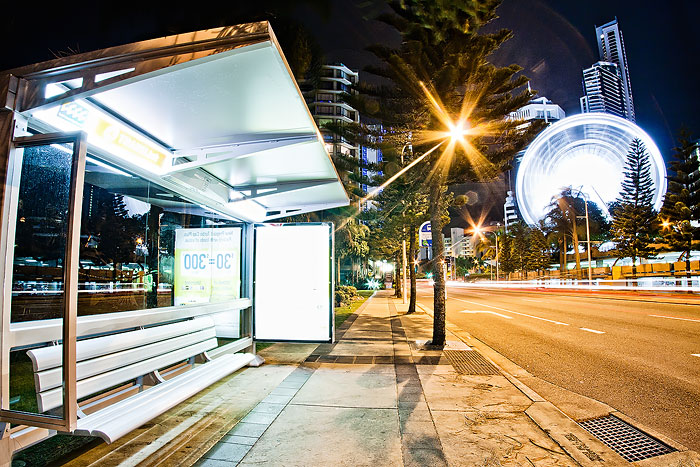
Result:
pixel 293 282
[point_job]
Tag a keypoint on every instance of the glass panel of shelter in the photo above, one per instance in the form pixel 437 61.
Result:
pixel 41 234
pixel 133 231
pixel 141 247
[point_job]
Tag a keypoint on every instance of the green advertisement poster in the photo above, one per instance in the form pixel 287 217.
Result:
pixel 207 265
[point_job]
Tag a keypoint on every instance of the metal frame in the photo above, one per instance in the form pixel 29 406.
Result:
pixel 70 276
pixel 331 282
pixel 247 286
pixel 202 158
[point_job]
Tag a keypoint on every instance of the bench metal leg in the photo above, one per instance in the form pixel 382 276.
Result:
pixel 202 358
pixel 152 379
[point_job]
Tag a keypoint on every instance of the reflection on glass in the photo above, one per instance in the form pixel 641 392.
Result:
pixel 129 241
pixel 39 255
pixel 41 229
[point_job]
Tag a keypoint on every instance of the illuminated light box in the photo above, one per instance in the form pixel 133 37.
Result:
pixel 293 282
pixel 107 133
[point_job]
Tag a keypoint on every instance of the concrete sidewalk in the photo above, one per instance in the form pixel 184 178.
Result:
pixel 378 397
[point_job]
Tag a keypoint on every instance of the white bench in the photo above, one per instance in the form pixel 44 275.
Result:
pixel 135 358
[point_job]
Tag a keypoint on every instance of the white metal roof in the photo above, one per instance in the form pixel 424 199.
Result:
pixel 226 127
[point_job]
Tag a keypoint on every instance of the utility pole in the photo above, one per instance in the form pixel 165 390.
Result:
pixel 588 244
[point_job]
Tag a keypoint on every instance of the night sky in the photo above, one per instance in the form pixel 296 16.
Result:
pixel 554 40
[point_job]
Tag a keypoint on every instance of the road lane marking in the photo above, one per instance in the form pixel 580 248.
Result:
pixel 486 311
pixel 673 317
pixel 695 354
pixel 592 330
pixel 511 311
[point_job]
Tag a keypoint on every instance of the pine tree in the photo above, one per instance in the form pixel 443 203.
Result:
pixel 443 54
pixel 538 256
pixel 506 261
pixel 682 201
pixel 634 219
pixel 520 248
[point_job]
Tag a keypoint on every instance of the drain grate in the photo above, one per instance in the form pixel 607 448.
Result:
pixel 632 444
pixel 470 362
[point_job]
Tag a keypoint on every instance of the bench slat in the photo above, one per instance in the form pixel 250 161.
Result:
pixel 119 419
pixel 53 378
pixel 51 357
pixel 54 398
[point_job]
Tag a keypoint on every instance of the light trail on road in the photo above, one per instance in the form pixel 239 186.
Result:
pixel 486 311
pixel 592 330
pixel 673 317
pixel 514 312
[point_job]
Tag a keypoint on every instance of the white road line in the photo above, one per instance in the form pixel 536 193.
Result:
pixel 672 317
pixel 592 330
pixel 514 312
pixel 486 311
pixel 695 354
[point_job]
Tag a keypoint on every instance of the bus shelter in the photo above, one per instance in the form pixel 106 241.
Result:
pixel 140 260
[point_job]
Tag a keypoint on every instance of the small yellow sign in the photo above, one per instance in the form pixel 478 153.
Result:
pixel 126 142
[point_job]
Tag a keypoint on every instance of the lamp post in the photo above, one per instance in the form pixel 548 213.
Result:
pixel 588 244
pixel 495 234
pixel 588 236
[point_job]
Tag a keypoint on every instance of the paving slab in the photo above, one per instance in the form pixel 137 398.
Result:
pixel 378 348
pixel 186 432
pixel 359 367
pixel 348 388
pixel 305 436
pixel 460 392
pixel 496 439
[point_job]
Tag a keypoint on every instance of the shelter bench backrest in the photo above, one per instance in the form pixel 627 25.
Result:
pixel 107 361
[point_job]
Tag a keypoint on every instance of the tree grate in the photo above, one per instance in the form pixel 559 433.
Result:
pixel 470 362
pixel 633 445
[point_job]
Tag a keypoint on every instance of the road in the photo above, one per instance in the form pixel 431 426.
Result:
pixel 640 357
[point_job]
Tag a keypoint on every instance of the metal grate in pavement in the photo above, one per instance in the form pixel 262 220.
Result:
pixel 632 444
pixel 470 362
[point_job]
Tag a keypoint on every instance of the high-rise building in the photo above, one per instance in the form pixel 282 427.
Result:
pixel 540 108
pixel 606 84
pixel 510 210
pixel 327 106
pixel 457 244
pixel 603 91
pixel 611 48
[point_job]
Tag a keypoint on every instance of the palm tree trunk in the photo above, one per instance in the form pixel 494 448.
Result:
pixel 562 255
pixel 398 280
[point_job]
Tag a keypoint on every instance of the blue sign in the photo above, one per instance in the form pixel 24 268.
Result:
pixel 425 238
